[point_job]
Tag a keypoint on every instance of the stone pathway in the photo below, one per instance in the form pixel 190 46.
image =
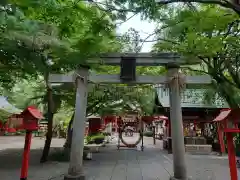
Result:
pixel 127 164
pixel 152 164
pixel 111 164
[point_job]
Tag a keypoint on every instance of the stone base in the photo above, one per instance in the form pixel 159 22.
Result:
pixel 198 149
pixel 77 177
pixel 173 178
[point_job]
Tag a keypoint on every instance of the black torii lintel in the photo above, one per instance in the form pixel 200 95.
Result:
pixel 143 59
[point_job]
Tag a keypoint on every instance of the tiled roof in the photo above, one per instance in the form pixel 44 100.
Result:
pixel 190 98
pixel 6 106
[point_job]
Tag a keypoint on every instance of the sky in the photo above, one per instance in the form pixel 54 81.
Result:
pixel 143 27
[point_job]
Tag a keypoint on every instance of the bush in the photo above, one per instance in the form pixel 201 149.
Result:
pixel 96 138
pixel 148 134
pixel 107 134
pixel 88 139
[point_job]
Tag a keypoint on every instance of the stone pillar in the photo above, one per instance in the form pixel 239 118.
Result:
pixel 179 163
pixel 75 171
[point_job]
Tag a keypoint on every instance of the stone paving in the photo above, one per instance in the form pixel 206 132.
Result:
pixel 111 164
pixel 152 164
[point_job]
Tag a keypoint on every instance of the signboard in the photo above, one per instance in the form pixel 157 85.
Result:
pixel 192 98
pixel 129 119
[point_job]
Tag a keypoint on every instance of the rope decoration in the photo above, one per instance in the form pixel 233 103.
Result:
pixel 77 76
pixel 180 77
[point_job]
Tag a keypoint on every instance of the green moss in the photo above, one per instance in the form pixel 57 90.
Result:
pixel 148 134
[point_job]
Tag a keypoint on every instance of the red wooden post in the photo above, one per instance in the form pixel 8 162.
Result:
pixel 116 124
pixel 26 152
pixel 30 116
pixel 169 137
pixel 231 156
pixel 220 137
pixel 195 125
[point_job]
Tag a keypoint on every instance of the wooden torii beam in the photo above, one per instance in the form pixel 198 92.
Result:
pixel 192 81
pixel 142 59
pixel 171 60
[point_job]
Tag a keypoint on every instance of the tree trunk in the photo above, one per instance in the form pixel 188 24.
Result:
pixel 50 115
pixel 69 133
pixel 234 4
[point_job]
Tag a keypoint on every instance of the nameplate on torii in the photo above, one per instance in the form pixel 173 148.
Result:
pixel 192 97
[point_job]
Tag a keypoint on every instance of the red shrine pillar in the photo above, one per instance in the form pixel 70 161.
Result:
pixel 169 137
pixel 195 125
pixel 221 137
pixel 116 124
pixel 231 156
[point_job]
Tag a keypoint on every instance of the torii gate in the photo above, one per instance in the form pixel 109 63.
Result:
pixel 128 63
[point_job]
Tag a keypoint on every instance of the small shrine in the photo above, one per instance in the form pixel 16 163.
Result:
pixel 197 119
pixel 228 127
pixel 94 124
pixel 227 120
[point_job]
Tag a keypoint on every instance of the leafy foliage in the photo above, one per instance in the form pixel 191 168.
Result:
pixel 210 34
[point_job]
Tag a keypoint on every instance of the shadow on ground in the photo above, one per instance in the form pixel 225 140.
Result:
pixel 12 158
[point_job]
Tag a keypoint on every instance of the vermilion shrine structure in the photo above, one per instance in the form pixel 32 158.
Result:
pixel 227 122
pixel 28 120
pixel 128 62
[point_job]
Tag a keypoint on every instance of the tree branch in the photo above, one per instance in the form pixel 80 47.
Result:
pixel 224 3
pixel 196 70
pixel 112 8
pixel 120 23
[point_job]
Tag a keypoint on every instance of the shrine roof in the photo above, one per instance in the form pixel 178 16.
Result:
pixel 191 98
pixel 223 115
pixel 6 106
pixel 34 111
pixel 228 114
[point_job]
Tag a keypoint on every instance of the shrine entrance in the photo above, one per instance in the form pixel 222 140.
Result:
pixel 174 80
pixel 130 131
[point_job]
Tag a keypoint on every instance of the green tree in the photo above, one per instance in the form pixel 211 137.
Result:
pixel 197 34
pixel 41 38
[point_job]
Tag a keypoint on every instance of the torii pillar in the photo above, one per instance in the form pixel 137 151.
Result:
pixel 178 148
pixel 75 170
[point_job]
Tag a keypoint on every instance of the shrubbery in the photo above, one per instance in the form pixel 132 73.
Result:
pixel 95 138
pixel 148 134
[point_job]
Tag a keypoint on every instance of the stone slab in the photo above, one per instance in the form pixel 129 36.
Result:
pixel 198 149
pixel 78 177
